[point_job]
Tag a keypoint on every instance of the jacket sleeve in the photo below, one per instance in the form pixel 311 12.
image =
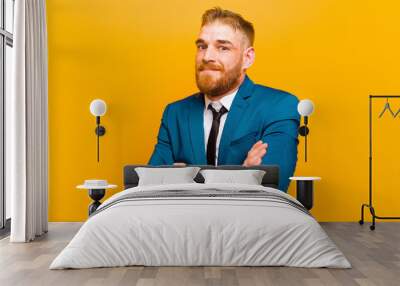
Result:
pixel 281 134
pixel 162 154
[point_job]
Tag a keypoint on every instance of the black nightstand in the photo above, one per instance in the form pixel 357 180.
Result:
pixel 96 192
pixel 305 190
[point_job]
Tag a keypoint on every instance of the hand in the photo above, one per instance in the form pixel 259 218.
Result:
pixel 179 164
pixel 254 156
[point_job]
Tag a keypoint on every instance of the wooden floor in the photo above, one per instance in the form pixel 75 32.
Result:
pixel 374 255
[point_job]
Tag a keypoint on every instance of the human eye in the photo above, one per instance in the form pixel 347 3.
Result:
pixel 223 48
pixel 201 46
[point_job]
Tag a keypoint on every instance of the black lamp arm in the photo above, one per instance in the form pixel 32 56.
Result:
pixel 303 131
pixel 100 131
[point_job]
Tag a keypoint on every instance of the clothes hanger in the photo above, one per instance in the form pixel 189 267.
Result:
pixel 398 111
pixel 387 107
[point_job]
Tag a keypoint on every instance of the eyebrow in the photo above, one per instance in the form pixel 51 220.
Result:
pixel 225 42
pixel 200 41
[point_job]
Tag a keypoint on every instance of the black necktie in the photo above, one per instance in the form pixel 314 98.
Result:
pixel 212 138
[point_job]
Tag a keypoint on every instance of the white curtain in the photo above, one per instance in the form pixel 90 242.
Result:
pixel 27 124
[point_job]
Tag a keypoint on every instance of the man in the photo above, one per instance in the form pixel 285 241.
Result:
pixel 231 120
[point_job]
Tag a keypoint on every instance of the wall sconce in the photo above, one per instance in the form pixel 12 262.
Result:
pixel 305 108
pixel 98 108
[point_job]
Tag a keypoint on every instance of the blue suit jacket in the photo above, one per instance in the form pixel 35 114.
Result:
pixel 257 113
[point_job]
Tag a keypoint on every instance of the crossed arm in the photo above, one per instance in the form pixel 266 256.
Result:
pixel 280 149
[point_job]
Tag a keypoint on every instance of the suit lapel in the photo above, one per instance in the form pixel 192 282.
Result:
pixel 196 126
pixel 232 122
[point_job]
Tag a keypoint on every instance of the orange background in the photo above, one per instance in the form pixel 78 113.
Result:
pixel 139 55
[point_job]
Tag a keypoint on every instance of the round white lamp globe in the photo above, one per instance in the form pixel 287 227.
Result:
pixel 98 107
pixel 305 107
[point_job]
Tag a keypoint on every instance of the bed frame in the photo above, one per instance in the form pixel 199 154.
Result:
pixel 270 179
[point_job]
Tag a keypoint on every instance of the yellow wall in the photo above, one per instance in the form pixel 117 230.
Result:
pixel 139 55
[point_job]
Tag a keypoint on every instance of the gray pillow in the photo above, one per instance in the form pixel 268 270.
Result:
pixel 163 176
pixel 249 177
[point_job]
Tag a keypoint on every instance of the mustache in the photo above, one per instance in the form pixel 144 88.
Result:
pixel 210 66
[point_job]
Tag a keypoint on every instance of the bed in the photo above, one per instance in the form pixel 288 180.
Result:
pixel 201 224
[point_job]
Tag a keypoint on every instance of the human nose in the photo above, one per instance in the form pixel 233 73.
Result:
pixel 209 55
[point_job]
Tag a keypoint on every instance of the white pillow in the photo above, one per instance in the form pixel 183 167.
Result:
pixel 163 176
pixel 249 177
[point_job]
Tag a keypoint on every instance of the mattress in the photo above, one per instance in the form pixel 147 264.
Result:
pixel 201 225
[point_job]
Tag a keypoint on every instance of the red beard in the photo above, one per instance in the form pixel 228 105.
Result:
pixel 221 82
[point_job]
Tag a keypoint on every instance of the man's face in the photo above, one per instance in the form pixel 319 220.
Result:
pixel 219 59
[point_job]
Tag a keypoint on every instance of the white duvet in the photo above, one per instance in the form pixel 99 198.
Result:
pixel 208 231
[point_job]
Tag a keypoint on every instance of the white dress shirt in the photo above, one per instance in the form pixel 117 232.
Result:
pixel 225 101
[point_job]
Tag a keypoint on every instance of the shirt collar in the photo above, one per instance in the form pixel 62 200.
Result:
pixel 226 101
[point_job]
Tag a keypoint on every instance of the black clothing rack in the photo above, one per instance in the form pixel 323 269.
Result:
pixel 369 205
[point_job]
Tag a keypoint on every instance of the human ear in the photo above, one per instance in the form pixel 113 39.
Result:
pixel 249 56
